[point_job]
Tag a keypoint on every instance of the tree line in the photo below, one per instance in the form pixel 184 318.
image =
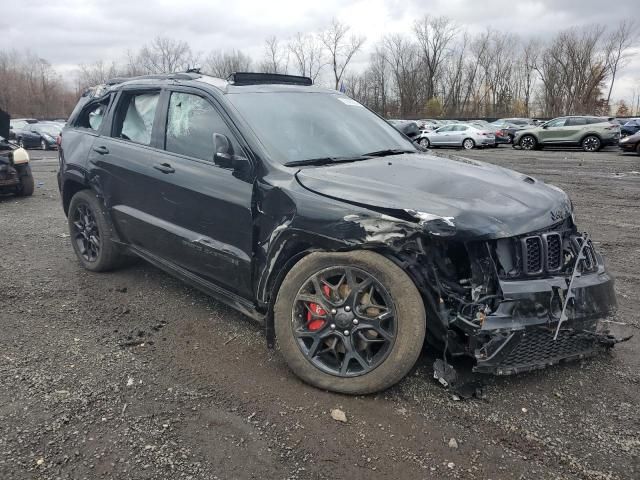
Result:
pixel 438 69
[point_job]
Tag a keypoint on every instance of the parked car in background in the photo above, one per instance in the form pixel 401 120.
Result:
pixel 501 137
pixel 458 135
pixel 630 127
pixel 21 131
pixel 49 132
pixel 517 121
pixel 508 129
pixel 589 133
pixel 631 143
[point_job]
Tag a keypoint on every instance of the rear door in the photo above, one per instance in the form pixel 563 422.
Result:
pixel 573 129
pixel 168 198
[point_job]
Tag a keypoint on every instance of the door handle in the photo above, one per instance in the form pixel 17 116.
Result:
pixel 164 167
pixel 102 150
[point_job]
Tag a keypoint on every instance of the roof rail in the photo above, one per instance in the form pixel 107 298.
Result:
pixel 159 76
pixel 249 78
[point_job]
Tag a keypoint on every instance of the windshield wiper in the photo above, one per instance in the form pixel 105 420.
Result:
pixel 324 161
pixel 390 151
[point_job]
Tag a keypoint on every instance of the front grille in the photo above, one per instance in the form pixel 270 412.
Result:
pixel 532 249
pixel 554 251
pixel 549 252
pixel 538 347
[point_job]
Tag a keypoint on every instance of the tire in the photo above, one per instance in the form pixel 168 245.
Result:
pixel 400 354
pixel 43 145
pixel 591 143
pixel 103 253
pixel 424 142
pixel 468 144
pixel 638 148
pixel 27 185
pixel 528 142
pixel 510 139
pixel 21 143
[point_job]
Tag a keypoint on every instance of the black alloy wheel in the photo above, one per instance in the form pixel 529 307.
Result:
pixel 344 321
pixel 85 233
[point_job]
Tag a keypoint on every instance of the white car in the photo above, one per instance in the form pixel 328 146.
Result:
pixel 457 135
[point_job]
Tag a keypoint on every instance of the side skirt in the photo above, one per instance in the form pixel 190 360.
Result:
pixel 240 304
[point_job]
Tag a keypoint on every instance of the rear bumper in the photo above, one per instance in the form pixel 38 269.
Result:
pixel 519 336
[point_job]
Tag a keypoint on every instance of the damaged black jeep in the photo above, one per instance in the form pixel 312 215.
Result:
pixel 306 211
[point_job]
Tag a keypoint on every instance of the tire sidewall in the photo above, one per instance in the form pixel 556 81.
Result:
pixel 410 322
pixel 533 145
pixel 584 140
pixel 108 250
pixel 27 184
pixel 464 142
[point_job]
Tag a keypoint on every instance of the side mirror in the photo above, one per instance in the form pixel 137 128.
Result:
pixel 224 155
pixel 545 126
pixel 223 150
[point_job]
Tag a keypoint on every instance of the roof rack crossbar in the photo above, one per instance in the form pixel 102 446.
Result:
pixel 250 78
pixel 159 76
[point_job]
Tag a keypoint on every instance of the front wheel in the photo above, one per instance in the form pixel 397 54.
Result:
pixel 21 143
pixel 43 145
pixel 349 322
pixel 468 144
pixel 591 143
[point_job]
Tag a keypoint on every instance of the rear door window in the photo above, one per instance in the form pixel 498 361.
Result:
pixel 136 114
pixel 576 121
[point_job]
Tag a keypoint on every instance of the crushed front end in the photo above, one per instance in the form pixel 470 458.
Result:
pixel 501 301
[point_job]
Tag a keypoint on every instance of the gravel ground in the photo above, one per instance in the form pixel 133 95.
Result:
pixel 132 374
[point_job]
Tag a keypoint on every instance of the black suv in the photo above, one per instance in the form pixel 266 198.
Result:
pixel 306 211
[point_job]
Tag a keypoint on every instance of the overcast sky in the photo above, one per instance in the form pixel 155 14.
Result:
pixel 69 32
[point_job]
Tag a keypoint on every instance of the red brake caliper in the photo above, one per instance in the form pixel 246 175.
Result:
pixel 316 314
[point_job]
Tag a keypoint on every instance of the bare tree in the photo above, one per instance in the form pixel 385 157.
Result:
pixel 222 64
pixel 165 55
pixel 434 35
pixel 341 47
pixel 275 57
pixel 618 44
pixel 307 55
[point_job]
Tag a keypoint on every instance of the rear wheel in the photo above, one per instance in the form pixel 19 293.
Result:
pixel 350 322
pixel 43 145
pixel 591 143
pixel 528 142
pixel 424 142
pixel 21 143
pixel 468 144
pixel 92 234
pixel 638 148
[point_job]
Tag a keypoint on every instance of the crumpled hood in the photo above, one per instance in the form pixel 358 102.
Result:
pixel 479 199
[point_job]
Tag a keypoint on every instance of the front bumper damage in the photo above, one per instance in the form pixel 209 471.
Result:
pixel 509 344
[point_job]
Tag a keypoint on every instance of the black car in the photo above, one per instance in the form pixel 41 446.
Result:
pixel 630 127
pixel 631 143
pixel 49 132
pixel 22 132
pixel 352 247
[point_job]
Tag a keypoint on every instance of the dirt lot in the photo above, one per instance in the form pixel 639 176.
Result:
pixel 134 375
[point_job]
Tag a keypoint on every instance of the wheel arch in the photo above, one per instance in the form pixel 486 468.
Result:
pixel 70 187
